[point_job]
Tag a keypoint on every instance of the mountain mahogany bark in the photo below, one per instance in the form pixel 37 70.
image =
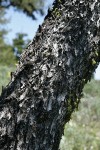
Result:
pixel 47 85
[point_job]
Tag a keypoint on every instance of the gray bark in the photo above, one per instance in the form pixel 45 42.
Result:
pixel 48 82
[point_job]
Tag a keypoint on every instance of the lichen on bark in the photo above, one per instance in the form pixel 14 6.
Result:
pixel 48 82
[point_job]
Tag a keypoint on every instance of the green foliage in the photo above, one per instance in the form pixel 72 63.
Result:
pixel 2 42
pixel 6 56
pixel 92 89
pixel 3 31
pixel 6 53
pixel 3 20
pixel 5 74
pixel 27 6
pixel 83 131
pixel 19 42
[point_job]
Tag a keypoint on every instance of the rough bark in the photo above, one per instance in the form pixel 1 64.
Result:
pixel 47 85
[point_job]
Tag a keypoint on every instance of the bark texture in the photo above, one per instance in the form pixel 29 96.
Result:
pixel 47 85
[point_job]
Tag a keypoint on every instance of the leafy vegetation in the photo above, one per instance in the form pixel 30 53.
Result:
pixel 20 42
pixel 7 57
pixel 83 131
pixel 6 54
pixel 27 6
pixel 3 31
pixel 7 51
pixel 5 74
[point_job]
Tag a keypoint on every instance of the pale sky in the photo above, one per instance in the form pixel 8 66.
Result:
pixel 97 73
pixel 20 22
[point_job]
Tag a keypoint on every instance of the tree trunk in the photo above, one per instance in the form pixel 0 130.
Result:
pixel 47 85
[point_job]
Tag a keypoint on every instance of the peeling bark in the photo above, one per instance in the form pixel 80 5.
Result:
pixel 48 82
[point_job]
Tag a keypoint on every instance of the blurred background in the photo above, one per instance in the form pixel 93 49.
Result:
pixel 18 26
